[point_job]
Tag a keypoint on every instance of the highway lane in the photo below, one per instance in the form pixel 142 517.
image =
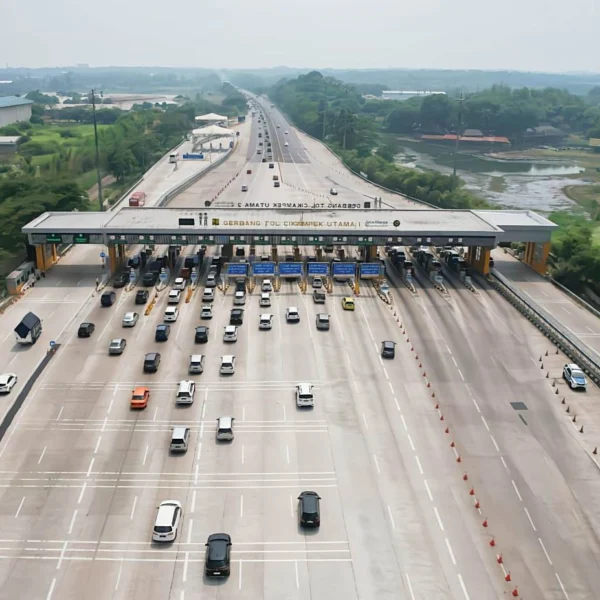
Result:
pixel 83 475
pixel 532 475
pixel 577 320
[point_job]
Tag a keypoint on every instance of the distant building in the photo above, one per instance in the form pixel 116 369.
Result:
pixel 544 134
pixel 13 109
pixel 594 144
pixel 8 144
pixel 405 95
pixel 475 142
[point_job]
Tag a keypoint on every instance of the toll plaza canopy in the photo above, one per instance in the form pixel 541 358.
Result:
pixel 211 117
pixel 293 226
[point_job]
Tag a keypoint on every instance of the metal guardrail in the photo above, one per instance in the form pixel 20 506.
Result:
pixel 576 350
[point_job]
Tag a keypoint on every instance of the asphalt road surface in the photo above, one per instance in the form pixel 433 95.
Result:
pixel 81 474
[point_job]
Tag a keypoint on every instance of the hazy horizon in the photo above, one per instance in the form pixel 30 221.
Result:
pixel 521 36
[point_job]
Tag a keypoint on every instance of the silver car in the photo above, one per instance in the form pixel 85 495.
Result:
pixel 117 346
pixel 130 319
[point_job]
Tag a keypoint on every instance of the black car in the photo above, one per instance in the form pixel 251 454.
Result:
pixel 151 362
pixel 201 336
pixel 309 511
pixel 121 279
pixel 217 562
pixel 388 349
pixel 141 297
pixel 108 298
pixel 240 284
pixel 85 330
pixel 150 279
pixel 162 333
pixel 237 316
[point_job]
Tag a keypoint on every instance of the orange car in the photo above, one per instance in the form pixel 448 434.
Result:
pixel 139 397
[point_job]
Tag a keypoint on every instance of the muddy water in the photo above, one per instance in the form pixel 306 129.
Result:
pixel 534 185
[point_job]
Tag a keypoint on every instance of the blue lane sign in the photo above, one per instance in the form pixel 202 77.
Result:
pixel 52 344
pixel 163 277
pixel 132 275
pixel 370 269
pixel 102 255
pixel 287 269
pixel 344 268
pixel 317 268
pixel 237 269
pixel 194 275
pixel 263 268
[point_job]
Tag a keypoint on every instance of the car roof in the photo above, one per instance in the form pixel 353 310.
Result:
pixel 162 326
pixel 202 328
pixel 237 310
pixel 304 387
pixel 171 309
pixel 165 512
pixel 389 343
pixel 293 308
pixel 573 366
pixel 173 292
pixel 323 316
pixel 179 279
pixel 266 316
pixel 152 355
pixel 196 357
pixel 140 389
pixel 348 299
pixel 227 357
pixel 213 537
pixel 225 422
pixel 265 295
pixel 129 313
pixel 117 341
pixel 230 328
pixel 6 376
pixel 179 430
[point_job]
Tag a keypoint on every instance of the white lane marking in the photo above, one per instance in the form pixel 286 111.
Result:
pixel 243 412
pixel 104 423
pixel 20 507
pixel 97 444
pixel 454 361
pixel 243 447
pixel 439 519
pixel 42 454
pixel 391 387
pixel 396 402
pixel 450 551
pixel 365 420
pixel 529 517
pixel 155 413
pixel 204 407
pixel 185 566
pixel 58 282
pixel 146 454
pixel 464 588
pixel 111 402
pixel 562 587
pixel 494 361
pixel 199 452
pixel 189 535
pixel 412 596
pixel 240 576
pixel 72 522
pixel 568 312
pixel 287 454
pixel 297 575
pixel 182 595
pixel 90 467
pixel 53 583
pixel 391 518
pixel 348 359
pixel 193 507
pixel 241 506
pixel 476 405
pixel 196 473
pixel 291 506
pixel 494 442
pixel 9 334
pixel 133 508
pixel 82 492
pixel 119 576
pixel 448 348
pixel 545 551
pixel 516 489
pixel 428 490
pixel 485 422
pixel 60 413
pixel 404 423
pixel 284 413
pixel 419 465
pixel 386 373
pixel 201 429
pixel 356 385
pixel 376 464
pixel 461 375
pixel 504 462
pixel 590 330
pixel 411 442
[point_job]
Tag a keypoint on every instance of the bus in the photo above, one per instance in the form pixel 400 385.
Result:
pixel 173 157
pixel 137 199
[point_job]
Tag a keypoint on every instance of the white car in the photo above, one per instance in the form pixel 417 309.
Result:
pixel 574 376
pixel 265 299
pixel 185 392
pixel 230 334
pixel 304 395
pixel 225 428
pixel 278 126
pixel 239 298
pixel 7 382
pixel 206 312
pixel 286 132
pixel 179 283
pixel 171 314
pixel 266 285
pixel 208 295
pixel 286 144
pixel 292 315
pixel 130 319
pixel 174 297
pixel 227 364
pixel 265 322
pixel 317 283
pixel 167 521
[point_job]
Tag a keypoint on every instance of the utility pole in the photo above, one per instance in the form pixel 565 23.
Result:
pixel 458 128
pixel 324 109
pixel 98 176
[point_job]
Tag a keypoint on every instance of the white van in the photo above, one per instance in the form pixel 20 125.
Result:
pixel 239 298
pixel 304 395
pixel 185 392
pixel 167 521
pixel 225 429
pixel 265 299
pixel 196 363
pixel 180 439
pixel 227 364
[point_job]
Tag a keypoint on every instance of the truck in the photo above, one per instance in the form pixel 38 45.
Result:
pixel 29 329
pixel 137 199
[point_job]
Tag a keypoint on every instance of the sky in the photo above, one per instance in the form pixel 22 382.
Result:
pixel 524 35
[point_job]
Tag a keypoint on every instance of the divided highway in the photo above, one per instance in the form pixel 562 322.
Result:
pixel 82 474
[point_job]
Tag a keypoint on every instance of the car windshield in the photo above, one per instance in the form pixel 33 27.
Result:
pixel 138 396
pixel 577 374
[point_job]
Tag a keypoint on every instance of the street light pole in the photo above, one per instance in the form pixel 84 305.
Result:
pixel 98 176
pixel 457 138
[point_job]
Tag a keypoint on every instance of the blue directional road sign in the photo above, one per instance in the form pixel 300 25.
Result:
pixel 240 269
pixel 317 268
pixel 163 276
pixel 263 268
pixel 194 275
pixel 344 268
pixel 52 344
pixel 102 254
pixel 370 269
pixel 290 269
pixel 132 275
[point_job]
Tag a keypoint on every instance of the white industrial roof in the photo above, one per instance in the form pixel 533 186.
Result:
pixel 211 117
pixel 212 130
pixel 9 139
